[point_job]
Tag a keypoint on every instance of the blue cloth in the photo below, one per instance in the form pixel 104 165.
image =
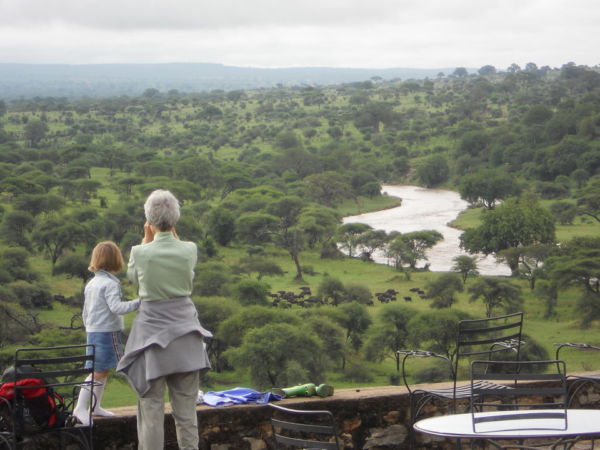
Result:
pixel 238 396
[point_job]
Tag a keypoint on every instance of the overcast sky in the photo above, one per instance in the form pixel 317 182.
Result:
pixel 284 33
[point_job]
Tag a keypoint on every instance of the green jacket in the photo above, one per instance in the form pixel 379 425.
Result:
pixel 163 268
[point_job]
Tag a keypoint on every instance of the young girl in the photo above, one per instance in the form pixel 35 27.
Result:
pixel 103 324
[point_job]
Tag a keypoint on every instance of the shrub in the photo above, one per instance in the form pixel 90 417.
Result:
pixel 308 270
pixel 331 290
pixel 357 373
pixel 431 374
pixel 32 295
pixel 251 292
pixel 549 190
pixel 394 379
pixel 212 280
pixel 358 293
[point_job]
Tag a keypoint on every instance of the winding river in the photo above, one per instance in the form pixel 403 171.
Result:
pixel 427 209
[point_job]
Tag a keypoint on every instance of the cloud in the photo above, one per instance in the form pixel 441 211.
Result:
pixel 269 33
pixel 224 14
pixel 195 14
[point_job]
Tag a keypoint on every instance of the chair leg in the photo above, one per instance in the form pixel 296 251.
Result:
pixel 411 430
pixel 6 442
pixel 416 405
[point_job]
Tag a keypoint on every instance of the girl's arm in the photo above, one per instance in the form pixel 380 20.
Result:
pixel 113 297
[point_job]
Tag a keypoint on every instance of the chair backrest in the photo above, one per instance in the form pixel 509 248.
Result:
pixel 578 346
pixel 63 366
pixel 502 391
pixel 293 428
pixel 489 339
pixel 59 373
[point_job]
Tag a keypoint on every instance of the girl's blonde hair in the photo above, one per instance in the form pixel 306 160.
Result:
pixel 106 256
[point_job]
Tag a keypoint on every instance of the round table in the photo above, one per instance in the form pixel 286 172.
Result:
pixel 580 422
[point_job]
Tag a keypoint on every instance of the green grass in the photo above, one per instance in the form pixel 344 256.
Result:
pixel 364 205
pixel 582 226
pixel 469 218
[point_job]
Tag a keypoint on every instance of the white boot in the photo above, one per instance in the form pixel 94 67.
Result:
pixel 98 392
pixel 81 411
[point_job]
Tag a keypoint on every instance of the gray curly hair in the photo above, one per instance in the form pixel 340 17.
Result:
pixel 162 209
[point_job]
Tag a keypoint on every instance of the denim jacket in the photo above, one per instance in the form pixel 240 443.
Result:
pixel 103 305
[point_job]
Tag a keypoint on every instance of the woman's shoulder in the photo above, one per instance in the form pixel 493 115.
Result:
pixel 190 244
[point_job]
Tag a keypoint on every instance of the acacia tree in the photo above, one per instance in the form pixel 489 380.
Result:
pixel 74 266
pixel 290 223
pixel 16 227
pixel 267 352
pixel 443 290
pixel 519 221
pixel 400 254
pixel 318 224
pixel 496 293
pixel 55 236
pixel 529 258
pixel 221 225
pixel 418 242
pixel 355 319
pixel 589 202
pixel 17 326
pixel 434 170
pixel 331 290
pixel 389 334
pixel 436 331
pixel 287 233
pixel 212 312
pixel 330 333
pixel 410 248
pixel 465 265
pixel 259 265
pixel 548 291
pixel 370 241
pixel 487 187
pixel 578 264
pixel 328 188
pixel 35 131
pixel 347 235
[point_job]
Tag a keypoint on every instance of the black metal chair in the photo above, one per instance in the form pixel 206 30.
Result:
pixel 519 395
pixel 5 424
pixel 310 430
pixel 577 382
pixel 480 338
pixel 62 372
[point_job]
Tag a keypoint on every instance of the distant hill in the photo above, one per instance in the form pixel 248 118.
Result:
pixel 102 80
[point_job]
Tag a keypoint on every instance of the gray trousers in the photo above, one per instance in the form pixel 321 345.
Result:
pixel 183 394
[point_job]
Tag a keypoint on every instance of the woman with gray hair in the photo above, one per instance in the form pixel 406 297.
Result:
pixel 165 346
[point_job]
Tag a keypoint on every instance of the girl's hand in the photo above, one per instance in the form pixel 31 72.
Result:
pixel 148 233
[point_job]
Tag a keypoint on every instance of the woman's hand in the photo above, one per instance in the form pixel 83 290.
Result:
pixel 148 233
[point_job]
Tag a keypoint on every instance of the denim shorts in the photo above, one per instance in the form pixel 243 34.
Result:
pixel 109 349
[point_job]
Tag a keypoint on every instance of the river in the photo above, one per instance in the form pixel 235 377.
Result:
pixel 427 209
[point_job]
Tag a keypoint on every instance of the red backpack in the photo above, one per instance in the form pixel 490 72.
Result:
pixel 42 407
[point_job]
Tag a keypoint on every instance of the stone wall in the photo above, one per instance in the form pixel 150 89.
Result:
pixel 367 419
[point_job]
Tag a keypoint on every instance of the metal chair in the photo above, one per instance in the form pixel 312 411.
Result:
pixel 310 430
pixel 517 396
pixel 61 371
pixel 5 424
pixel 482 338
pixel 577 382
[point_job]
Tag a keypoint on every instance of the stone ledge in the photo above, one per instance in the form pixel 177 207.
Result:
pixel 371 418
pixel 248 426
